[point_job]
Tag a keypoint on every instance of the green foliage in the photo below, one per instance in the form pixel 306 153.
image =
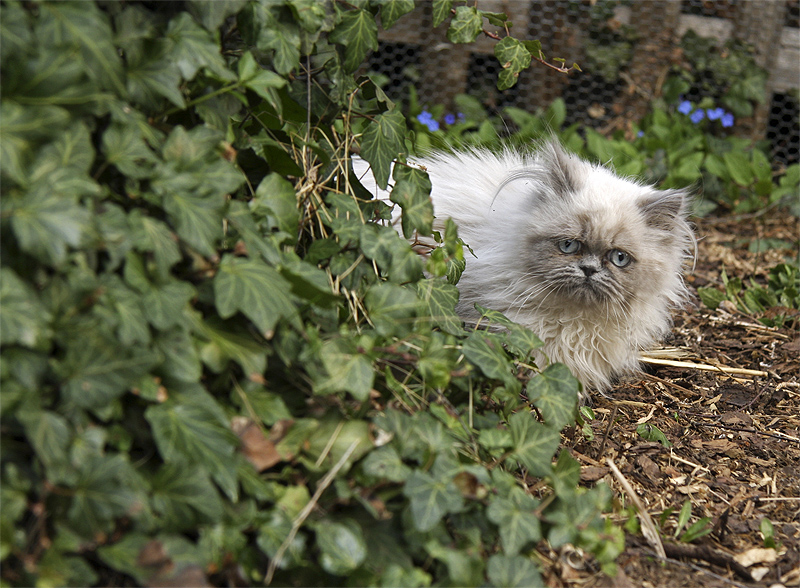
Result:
pixel 666 148
pixel 780 295
pixel 219 361
pixel 727 73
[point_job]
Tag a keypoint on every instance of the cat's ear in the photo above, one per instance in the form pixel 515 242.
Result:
pixel 561 168
pixel 662 209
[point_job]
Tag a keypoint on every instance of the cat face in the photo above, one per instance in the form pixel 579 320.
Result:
pixel 597 241
pixel 583 260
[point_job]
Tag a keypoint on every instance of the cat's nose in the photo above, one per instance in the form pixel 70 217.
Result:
pixel 588 270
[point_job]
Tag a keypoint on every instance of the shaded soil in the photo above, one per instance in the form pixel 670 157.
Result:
pixel 735 437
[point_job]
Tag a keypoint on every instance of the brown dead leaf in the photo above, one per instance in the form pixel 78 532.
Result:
pixel 257 448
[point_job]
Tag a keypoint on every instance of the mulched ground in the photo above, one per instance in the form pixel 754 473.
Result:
pixel 735 437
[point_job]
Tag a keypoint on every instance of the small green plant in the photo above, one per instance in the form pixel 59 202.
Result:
pixel 699 528
pixel 781 293
pixel 768 533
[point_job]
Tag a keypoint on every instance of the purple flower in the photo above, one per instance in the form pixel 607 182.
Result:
pixel 685 107
pixel 697 116
pixel 461 116
pixel 727 120
pixel 640 134
pixel 432 125
pixel 450 119
pixel 715 113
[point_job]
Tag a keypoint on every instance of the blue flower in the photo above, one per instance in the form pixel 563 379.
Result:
pixel 715 113
pixel 426 118
pixel 685 107
pixel 727 120
pixel 450 119
pixel 461 116
pixel 697 116
pixel 640 134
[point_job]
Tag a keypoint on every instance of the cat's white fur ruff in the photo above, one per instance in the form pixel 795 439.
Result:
pixel 513 209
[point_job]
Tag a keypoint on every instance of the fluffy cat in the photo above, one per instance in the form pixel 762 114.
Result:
pixel 589 261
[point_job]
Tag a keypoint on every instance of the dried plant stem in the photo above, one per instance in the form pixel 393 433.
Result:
pixel 649 529
pixel 298 522
pixel 704 366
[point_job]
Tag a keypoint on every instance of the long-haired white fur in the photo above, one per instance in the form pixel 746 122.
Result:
pixel 589 261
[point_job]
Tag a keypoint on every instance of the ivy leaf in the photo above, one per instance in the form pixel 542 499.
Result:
pixel 382 142
pixel 513 57
pixel 255 289
pixel 260 81
pixel 50 435
pixel 212 14
pixel 85 26
pixel 124 148
pixel 391 308
pixel 308 281
pixel 465 26
pixel 180 357
pixel 566 475
pixel 515 519
pixel 153 236
pixel 122 306
pixel 385 464
pixel 274 532
pixel 103 492
pixel 45 222
pixel 441 10
pixel 262 26
pixel 342 546
pixel 164 304
pixel 190 428
pixel 152 76
pixel 412 192
pixel 198 220
pixel 347 370
pixel 184 496
pixel 358 32
pixel 22 125
pixel 535 444
pixel 513 572
pixel 224 344
pixel 23 318
pixel 194 48
pixel 485 350
pixel 440 298
pixel 555 393
pixel 431 499
pixel 99 370
pixel 378 243
pixel 278 197
pixel 391 10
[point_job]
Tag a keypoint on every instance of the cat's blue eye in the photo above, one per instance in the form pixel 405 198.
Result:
pixel 619 258
pixel 569 245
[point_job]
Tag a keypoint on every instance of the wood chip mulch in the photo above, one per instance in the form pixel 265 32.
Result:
pixel 734 434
